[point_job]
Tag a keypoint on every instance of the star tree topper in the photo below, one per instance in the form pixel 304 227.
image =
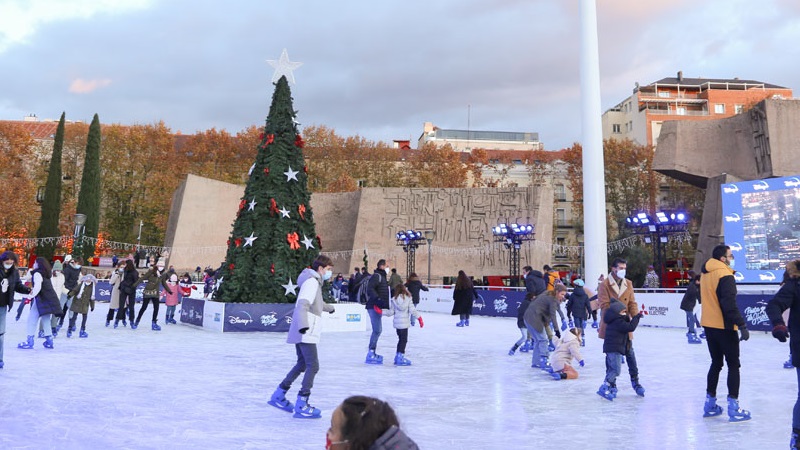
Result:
pixel 284 67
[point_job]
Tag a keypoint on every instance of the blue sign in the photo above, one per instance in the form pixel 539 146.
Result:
pixel 753 309
pixel 498 303
pixel 192 311
pixel 257 317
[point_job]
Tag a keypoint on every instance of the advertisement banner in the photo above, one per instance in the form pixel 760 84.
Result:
pixel 257 317
pixel 498 303
pixel 192 311
pixel 753 308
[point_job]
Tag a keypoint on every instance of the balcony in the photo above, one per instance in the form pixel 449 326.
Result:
pixel 673 112
pixel 564 223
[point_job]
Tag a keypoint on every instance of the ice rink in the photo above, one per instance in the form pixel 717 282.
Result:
pixel 188 388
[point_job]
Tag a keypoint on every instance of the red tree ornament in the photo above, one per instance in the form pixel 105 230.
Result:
pixel 305 169
pixel 242 204
pixel 229 242
pixel 298 141
pixel 270 138
pixel 238 242
pixel 266 171
pixel 231 267
pixel 302 210
pixel 272 269
pixel 294 241
pixel 261 137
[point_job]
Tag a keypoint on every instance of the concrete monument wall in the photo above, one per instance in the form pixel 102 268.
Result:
pixel 203 212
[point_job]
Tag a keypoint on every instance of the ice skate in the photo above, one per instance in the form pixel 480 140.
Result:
pixel 794 443
pixel 558 376
pixel 637 387
pixel 108 322
pixel 788 363
pixel 594 324
pixel 26 344
pixel 711 408
pixel 69 332
pixel 460 323
pixel 466 323
pixel 41 334
pixel 607 391
pixel 401 360
pixel 55 332
pixel 134 325
pixel 116 324
pixel 125 324
pixel 373 358
pixel 513 350
pixel 526 347
pixel 693 339
pixel 302 410
pixel 551 346
pixel 48 342
pixel 735 413
pixel 83 334
pixel 156 327
pixel 279 400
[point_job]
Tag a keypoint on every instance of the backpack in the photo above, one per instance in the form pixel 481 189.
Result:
pixel 361 295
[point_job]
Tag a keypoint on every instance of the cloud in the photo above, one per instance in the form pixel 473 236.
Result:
pixel 81 86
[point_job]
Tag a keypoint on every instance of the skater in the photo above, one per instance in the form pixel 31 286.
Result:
pixel 127 294
pixel 9 284
pixel 618 287
pixel 721 319
pixel 542 310
pixel 463 295
pixel 44 303
pixel 414 286
pixel 567 350
pixel 377 295
pixel 172 298
pixel 366 423
pixel 690 298
pixel 186 286
pixel 209 282
pixel 788 299
pixel 114 306
pixel 304 333
pixel 579 308
pixel 154 279
pixel 595 302
pixel 57 280
pixel 72 271
pixel 617 342
pixel 402 308
pixel 82 301
pixel 651 280
pixel 524 342
pixel 394 280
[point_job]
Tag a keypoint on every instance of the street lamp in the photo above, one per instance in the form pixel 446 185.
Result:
pixel 656 231
pixel 430 235
pixel 77 243
pixel 512 236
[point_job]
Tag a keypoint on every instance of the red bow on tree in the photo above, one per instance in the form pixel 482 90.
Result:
pixel 273 207
pixel 270 138
pixel 242 205
pixel 272 268
pixel 302 210
pixel 238 242
pixel 298 141
pixel 294 241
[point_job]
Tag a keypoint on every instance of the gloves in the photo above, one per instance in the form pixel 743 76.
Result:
pixel 582 363
pixel 378 309
pixel 779 332
pixel 563 325
pixel 571 323
pixel 745 334
pixel 640 315
pixel 303 330
pixel 4 285
pixel 421 324
pixel 91 309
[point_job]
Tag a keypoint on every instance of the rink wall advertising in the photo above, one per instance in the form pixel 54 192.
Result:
pixel 761 220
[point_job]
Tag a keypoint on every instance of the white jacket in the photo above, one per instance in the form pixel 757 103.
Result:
pixel 568 347
pixel 402 308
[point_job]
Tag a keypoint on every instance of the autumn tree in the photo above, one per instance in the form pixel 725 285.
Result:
pixel 51 204
pixel 438 167
pixel 16 148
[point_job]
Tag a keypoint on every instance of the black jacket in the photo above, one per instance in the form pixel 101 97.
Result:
pixel 378 290
pixel 414 286
pixel 578 304
pixel 71 276
pixel 617 339
pixel 47 300
pixel 130 280
pixel 788 297
pixel 691 297
pixel 521 313
pixel 534 283
pixel 14 285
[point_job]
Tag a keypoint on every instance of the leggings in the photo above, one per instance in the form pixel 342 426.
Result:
pixel 402 339
pixel 144 306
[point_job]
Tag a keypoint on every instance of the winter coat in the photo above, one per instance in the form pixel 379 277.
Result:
pixel 57 280
pixel 308 309
pixel 352 285
pixel 414 286
pixel 152 284
pixel 534 283
pixel 521 312
pixel 718 289
pixel 47 302
pixel 578 304
pixel 129 283
pixel 186 288
pixel 542 311
pixel 116 279
pixel 394 439
pixel 14 285
pixel 71 276
pixel 402 308
pixel 83 298
pixel 651 280
pixel 567 348
pixel 788 297
pixel 618 329
pixel 394 281
pixel 463 299
pixel 172 297
pixel 378 290
pixel 691 297
pixel 208 284
pixel 623 292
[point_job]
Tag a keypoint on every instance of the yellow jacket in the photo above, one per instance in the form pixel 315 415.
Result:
pixel 718 291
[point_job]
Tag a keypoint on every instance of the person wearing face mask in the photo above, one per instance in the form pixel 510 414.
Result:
pixel 44 303
pixel 82 301
pixel 115 280
pixel 377 299
pixel 304 333
pixel 362 422
pixel 72 272
pixel 9 284
pixel 616 286
pixel 690 298
pixel 722 322
pixel 154 280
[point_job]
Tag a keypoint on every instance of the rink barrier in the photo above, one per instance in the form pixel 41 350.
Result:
pixel 660 309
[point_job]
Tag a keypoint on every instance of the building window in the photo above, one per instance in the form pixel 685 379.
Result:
pixel 719 108
pixel 362 183
pixel 615 128
pixel 561 192
pixel 561 241
pixel 738 109
pixel 663 94
pixel 680 110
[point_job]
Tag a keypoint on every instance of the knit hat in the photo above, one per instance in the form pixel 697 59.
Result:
pixel 67 259
pixel 58 266
pixel 578 282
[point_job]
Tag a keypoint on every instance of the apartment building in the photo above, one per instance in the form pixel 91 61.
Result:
pixel 467 140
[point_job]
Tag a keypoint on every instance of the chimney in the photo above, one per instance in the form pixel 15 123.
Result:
pixel 680 76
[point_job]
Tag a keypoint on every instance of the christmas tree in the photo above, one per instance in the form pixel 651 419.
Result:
pixel 273 237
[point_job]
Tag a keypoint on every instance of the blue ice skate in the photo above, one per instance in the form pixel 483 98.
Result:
pixel 156 327
pixel 83 334
pixel 788 363
pixel 279 400
pixel 27 345
pixel 551 346
pixel 637 387
pixel 735 413
pixel 594 324
pixel 134 325
pixel 466 323
pixel 513 350
pixel 711 408
pixel 373 358
pixel 48 342
pixel 41 334
pixel 302 410
pixel 693 339
pixel 460 323
pixel 401 360
pixel 526 347
pixel 607 391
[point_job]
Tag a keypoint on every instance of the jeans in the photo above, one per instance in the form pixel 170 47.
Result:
pixel 33 321
pixel 63 301
pixel 308 362
pixel 402 339
pixel 723 344
pixel 690 319
pixel 3 312
pixel 144 306
pixel 539 348
pixel 377 328
pixel 614 365
pixel 520 341
pixel 171 311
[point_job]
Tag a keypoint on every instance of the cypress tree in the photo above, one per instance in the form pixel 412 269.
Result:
pixel 51 204
pixel 89 196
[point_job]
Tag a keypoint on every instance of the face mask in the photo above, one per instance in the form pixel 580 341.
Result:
pixel 329 444
pixel 731 263
pixel 87 283
pixel 35 266
pixel 77 266
pixel 621 273
pixel 8 265
pixel 327 275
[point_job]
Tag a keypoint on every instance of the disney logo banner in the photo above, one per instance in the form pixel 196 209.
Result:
pixel 244 317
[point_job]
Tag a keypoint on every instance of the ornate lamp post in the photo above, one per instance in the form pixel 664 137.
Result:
pixel 77 244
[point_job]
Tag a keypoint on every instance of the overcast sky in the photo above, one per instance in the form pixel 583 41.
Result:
pixel 379 69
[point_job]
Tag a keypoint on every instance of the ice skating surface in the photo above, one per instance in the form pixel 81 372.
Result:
pixel 188 388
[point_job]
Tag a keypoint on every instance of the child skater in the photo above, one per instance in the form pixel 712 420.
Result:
pixel 83 301
pixel 185 286
pixel 524 340
pixel 566 349
pixel 579 308
pixel 616 344
pixel 304 333
pixel 171 298
pixel 402 308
